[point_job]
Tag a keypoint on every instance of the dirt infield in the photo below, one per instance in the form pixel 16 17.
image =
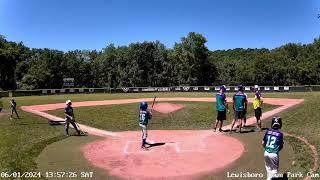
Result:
pixel 192 153
pixel 175 154
pixel 39 109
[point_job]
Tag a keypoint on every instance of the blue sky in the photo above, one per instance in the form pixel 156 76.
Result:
pixel 92 24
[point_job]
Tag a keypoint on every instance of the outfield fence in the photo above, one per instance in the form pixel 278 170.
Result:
pixel 16 93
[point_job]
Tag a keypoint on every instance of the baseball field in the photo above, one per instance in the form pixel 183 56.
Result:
pixel 181 130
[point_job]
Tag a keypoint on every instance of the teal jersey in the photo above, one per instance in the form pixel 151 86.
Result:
pixel 144 117
pixel 221 101
pixel 239 100
pixel 273 141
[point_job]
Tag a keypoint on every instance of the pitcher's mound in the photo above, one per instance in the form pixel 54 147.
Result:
pixel 167 107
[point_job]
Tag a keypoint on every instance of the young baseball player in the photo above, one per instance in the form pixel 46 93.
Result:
pixel 257 103
pixel 69 118
pixel 222 108
pixel 273 143
pixel 13 105
pixel 240 103
pixel 144 116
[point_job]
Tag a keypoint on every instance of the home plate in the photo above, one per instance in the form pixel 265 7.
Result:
pixel 167 107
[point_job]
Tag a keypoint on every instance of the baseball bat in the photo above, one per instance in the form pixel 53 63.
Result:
pixel 154 100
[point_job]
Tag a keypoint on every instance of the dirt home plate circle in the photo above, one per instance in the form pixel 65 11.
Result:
pixel 175 154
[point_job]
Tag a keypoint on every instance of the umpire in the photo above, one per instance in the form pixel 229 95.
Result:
pixel 69 117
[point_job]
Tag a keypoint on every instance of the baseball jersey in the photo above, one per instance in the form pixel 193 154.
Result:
pixel 239 100
pixel 220 101
pixel 273 141
pixel 144 117
pixel 257 101
pixel 68 110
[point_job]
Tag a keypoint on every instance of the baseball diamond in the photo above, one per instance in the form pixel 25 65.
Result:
pixel 185 150
pixel 150 90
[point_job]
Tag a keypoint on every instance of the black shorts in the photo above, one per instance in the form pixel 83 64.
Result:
pixel 222 115
pixel 239 114
pixel 258 113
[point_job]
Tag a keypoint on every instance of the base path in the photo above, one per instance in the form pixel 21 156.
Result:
pixel 182 153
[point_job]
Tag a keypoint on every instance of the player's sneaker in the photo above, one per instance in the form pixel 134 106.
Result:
pixel 214 130
pixel 220 130
pixel 143 147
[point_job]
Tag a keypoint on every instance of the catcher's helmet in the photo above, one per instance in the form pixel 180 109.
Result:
pixel 276 123
pixel 143 105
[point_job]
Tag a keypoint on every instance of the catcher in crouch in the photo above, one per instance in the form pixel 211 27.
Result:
pixel 69 118
pixel 144 116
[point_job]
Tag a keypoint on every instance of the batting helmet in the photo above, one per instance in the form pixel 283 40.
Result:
pixel 143 105
pixel 276 123
pixel 68 102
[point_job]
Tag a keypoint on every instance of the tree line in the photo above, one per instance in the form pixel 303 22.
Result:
pixel 189 62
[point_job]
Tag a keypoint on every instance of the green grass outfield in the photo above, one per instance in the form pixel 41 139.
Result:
pixel 21 141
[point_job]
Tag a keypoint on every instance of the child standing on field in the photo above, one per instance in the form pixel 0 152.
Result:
pixel 13 105
pixel 69 118
pixel 144 116
pixel 240 103
pixel 257 103
pixel 273 144
pixel 222 108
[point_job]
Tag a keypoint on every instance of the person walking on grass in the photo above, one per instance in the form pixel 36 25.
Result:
pixel 240 104
pixel 257 103
pixel 13 105
pixel 222 108
pixel 69 118
pixel 273 143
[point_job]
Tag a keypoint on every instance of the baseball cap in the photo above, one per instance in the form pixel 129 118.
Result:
pixel 68 101
pixel 224 87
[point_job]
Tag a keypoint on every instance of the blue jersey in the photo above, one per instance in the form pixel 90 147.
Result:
pixel 144 117
pixel 68 110
pixel 273 141
pixel 239 100
pixel 221 101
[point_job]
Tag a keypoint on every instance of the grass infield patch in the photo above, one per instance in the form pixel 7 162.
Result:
pixel 124 117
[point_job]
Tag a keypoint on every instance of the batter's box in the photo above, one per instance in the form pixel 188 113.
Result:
pixel 190 146
pixel 133 147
